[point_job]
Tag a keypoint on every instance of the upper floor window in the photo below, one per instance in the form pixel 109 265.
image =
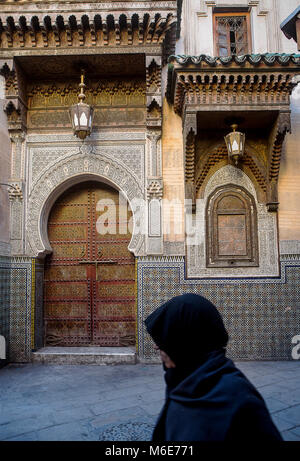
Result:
pixel 232 34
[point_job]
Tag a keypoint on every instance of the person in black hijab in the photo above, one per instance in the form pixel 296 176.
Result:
pixel 207 397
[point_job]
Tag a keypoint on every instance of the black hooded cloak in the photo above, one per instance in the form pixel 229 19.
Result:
pixel 207 397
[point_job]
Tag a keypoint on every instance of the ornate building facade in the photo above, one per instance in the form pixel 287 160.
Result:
pixel 96 233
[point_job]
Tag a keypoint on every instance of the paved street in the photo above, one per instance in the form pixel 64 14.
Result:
pixel 121 402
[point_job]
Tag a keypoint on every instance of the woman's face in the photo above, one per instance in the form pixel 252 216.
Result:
pixel 167 361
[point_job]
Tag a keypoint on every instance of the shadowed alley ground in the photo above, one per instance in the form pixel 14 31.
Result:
pixel 121 402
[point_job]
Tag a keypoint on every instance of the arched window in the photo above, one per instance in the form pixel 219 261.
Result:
pixel 231 228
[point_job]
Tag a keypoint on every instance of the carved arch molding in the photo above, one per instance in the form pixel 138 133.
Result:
pixel 262 167
pixel 67 172
pixel 216 156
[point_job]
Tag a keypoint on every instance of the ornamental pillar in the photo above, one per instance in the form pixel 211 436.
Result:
pixel 16 112
pixel 154 182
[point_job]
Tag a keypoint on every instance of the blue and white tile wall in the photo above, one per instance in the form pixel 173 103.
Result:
pixel 261 315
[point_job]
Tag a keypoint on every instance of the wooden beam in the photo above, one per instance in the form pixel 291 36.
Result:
pixel 298 31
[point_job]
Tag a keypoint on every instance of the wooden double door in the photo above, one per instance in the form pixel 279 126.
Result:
pixel 89 287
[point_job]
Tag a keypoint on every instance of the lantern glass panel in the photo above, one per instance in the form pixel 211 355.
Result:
pixel 235 142
pixel 83 120
pixel 235 146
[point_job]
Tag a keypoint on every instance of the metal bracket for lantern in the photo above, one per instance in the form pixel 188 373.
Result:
pixel 8 185
pixel 235 142
pixel 82 114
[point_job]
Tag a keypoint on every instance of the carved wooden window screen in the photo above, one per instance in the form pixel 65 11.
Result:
pixel 232 34
pixel 231 228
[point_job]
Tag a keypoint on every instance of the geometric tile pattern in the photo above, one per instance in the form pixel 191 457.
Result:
pixel 261 314
pixel 17 287
pixel 38 340
pixel 20 309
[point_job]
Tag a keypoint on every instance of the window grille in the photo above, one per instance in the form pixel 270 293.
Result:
pixel 231 35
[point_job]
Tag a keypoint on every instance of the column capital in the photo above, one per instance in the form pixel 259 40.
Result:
pixel 154 188
pixel 15 191
pixel 153 135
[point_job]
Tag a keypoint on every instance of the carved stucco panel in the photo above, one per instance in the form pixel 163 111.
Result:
pixel 42 158
pixel 16 214
pixel 58 177
pixel 229 175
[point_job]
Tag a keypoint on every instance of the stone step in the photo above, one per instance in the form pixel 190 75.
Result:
pixel 90 355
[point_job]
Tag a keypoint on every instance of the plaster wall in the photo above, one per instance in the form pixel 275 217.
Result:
pixel 266 17
pixel 173 176
pixel 4 176
pixel 289 182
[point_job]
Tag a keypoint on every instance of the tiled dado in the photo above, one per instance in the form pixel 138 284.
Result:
pixel 262 315
pixel 18 283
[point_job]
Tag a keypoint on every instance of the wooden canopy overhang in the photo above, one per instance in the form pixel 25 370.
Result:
pixel 64 25
pixel 252 80
pixel 52 40
pixel 291 26
pixel 208 91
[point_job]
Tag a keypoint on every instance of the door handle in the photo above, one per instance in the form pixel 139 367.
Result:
pixel 108 261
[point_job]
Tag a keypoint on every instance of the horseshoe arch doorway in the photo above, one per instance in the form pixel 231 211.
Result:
pixel 89 284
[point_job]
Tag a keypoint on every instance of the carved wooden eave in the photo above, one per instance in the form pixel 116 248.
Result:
pixel 15 105
pixel 65 25
pixel 53 39
pixel 232 85
pixel 255 80
pixel 291 26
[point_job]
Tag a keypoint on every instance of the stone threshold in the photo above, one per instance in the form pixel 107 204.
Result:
pixel 90 355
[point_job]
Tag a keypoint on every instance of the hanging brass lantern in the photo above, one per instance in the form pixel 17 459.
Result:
pixel 81 114
pixel 235 142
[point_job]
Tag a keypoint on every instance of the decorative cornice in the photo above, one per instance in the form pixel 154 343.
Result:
pixel 87 4
pixel 288 26
pixel 153 85
pixel 87 25
pixel 15 106
pixel 270 59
